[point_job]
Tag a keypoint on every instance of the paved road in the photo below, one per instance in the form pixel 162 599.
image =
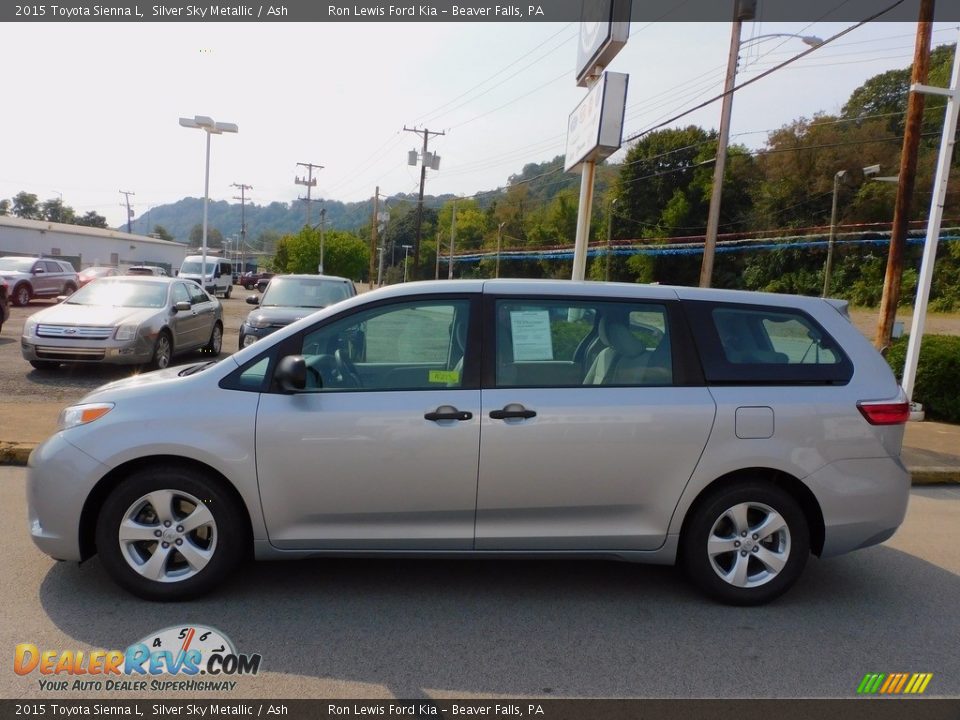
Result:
pixel 480 629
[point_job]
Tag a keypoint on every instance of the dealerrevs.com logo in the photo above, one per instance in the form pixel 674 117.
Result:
pixel 187 651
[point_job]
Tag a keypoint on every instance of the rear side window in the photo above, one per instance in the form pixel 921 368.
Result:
pixel 752 344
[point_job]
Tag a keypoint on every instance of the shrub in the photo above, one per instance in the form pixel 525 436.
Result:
pixel 938 372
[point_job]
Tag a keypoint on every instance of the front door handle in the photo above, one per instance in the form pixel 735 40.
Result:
pixel 448 412
pixel 513 411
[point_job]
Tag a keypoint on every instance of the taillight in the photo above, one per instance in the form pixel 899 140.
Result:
pixel 885 413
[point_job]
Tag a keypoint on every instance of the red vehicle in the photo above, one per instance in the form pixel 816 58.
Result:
pixel 252 280
pixel 92 273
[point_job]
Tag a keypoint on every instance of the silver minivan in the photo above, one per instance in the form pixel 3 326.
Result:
pixel 733 433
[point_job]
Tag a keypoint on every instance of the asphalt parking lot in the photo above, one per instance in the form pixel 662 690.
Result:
pixel 19 382
pixel 481 629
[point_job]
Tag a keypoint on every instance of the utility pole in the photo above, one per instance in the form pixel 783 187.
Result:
pixel 310 181
pixel 436 269
pixel 828 269
pixel 373 233
pixel 129 211
pixel 323 218
pixel 742 11
pixel 243 219
pixel 613 202
pixel 423 178
pixel 908 173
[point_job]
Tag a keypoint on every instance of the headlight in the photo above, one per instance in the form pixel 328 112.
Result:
pixel 126 332
pixel 29 328
pixel 259 323
pixel 82 414
pixel 249 340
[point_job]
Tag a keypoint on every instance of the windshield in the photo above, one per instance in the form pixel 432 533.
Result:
pixel 303 292
pixel 121 294
pixel 192 267
pixel 16 264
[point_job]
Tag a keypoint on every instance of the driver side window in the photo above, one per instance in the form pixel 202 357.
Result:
pixel 406 346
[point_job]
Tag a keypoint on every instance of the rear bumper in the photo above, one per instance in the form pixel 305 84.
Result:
pixel 863 501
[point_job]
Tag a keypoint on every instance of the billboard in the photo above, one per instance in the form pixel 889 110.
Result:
pixel 601 40
pixel 595 127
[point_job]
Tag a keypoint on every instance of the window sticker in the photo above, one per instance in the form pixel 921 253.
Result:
pixel 445 377
pixel 530 331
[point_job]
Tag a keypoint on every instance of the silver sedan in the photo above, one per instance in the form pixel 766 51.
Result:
pixel 125 320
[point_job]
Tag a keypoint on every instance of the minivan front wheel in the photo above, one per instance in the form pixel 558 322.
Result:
pixel 746 544
pixel 169 533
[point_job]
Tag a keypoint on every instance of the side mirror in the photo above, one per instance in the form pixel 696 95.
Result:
pixel 39 271
pixel 182 306
pixel 253 300
pixel 291 373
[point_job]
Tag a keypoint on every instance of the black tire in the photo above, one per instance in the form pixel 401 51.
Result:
pixel 224 537
pixel 21 295
pixel 786 550
pixel 69 289
pixel 45 364
pixel 215 344
pixel 226 295
pixel 162 352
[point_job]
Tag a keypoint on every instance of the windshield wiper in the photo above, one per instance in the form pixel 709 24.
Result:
pixel 196 368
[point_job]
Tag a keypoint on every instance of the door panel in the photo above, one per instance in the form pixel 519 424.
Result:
pixel 365 470
pixel 604 452
pixel 380 450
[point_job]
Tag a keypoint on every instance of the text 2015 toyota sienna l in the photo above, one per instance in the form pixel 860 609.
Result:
pixel 734 433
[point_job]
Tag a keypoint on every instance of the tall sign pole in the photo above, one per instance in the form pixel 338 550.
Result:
pixel 595 128
pixel 947 142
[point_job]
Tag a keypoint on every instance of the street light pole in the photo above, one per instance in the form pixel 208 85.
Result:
pixel 828 270
pixel 609 236
pixel 499 244
pixel 207 124
pixel 406 253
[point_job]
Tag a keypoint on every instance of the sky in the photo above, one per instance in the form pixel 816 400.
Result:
pixel 92 109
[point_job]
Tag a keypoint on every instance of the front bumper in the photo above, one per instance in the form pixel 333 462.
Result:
pixel 254 334
pixel 110 351
pixel 59 480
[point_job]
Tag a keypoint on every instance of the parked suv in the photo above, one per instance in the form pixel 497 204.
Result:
pixel 289 298
pixel 731 432
pixel 37 277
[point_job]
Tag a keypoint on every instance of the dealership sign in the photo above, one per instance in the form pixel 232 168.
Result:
pixel 595 127
pixel 601 40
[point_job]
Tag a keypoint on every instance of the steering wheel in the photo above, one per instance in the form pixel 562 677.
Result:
pixel 349 377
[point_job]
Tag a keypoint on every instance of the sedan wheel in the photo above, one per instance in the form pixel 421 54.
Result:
pixel 216 340
pixel 746 543
pixel 21 296
pixel 170 533
pixel 162 352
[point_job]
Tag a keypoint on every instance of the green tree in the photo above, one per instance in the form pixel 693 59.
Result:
pixel 161 232
pixel 4 207
pixel 25 206
pixel 214 236
pixel 344 254
pixel 55 211
pixel 92 219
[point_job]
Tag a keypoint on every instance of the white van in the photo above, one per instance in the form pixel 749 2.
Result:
pixel 218 278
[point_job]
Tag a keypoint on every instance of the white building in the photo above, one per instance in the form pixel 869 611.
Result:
pixel 87 246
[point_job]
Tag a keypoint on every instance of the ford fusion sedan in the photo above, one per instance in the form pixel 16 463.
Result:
pixel 124 320
pixel 289 298
pixel 733 433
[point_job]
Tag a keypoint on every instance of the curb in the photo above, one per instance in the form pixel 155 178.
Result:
pixel 15 453
pixel 19 454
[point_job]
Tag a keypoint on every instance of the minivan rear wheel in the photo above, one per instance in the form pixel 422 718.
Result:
pixel 746 543
pixel 170 533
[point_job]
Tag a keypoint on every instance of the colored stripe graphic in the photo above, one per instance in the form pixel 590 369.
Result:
pixel 894 683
